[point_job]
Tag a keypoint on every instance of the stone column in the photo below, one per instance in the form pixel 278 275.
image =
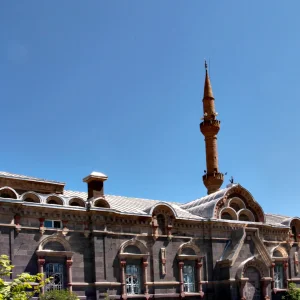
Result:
pixel 123 279
pixel 265 284
pixel 69 267
pixel 145 267
pixel 272 275
pixel 41 262
pixel 286 273
pixel 180 265
pixel 199 266
pixel 243 283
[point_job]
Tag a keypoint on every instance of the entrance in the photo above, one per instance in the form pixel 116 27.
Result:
pixel 253 290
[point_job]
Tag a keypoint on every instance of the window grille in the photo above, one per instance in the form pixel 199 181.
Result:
pixel 278 276
pixel 133 279
pixel 189 278
pixel 55 271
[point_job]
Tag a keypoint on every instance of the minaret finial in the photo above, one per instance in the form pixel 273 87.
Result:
pixel 205 64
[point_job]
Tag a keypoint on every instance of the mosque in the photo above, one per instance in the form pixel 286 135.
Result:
pixel 220 246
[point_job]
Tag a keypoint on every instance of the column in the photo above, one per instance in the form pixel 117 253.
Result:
pixel 69 270
pixel 41 262
pixel 199 266
pixel 242 288
pixel 286 272
pixel 272 275
pixel 180 265
pixel 145 267
pixel 123 279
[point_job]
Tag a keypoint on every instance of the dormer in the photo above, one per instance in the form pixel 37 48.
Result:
pixel 95 182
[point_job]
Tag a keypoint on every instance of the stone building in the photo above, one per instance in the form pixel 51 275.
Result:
pixel 220 246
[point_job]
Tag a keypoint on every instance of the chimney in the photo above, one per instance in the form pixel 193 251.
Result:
pixel 95 182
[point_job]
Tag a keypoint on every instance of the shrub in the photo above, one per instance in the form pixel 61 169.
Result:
pixel 293 293
pixel 58 295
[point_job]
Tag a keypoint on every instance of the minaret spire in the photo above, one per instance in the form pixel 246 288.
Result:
pixel 210 127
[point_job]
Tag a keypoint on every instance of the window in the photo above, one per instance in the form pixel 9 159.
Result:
pixel 52 224
pixel 55 271
pixel 189 278
pixel 278 276
pixel 133 279
pixel 243 217
pixel 226 216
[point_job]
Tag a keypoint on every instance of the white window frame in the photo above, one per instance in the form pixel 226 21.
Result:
pixel 57 272
pixel 278 276
pixel 189 279
pixel 133 279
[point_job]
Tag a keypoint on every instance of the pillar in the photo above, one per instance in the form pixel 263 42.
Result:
pixel 145 267
pixel 286 273
pixel 180 265
pixel 272 275
pixel 41 262
pixel 123 279
pixel 199 266
pixel 69 270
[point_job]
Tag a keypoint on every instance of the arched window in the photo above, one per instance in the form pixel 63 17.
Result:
pixel 101 203
pixel 54 200
pixel 31 197
pixel 226 216
pixel 77 202
pixel 243 217
pixel 161 222
pixel 8 193
pixel 133 278
pixel 189 277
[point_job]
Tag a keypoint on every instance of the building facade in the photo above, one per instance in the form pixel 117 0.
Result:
pixel 220 246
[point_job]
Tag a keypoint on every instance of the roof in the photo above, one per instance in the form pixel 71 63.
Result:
pixel 276 219
pixel 135 205
pixel 29 178
pixel 204 206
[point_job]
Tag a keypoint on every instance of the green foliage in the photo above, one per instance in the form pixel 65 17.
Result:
pixel 24 287
pixel 58 295
pixel 293 293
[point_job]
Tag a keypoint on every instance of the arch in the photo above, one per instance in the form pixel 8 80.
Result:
pixel 77 202
pixel 31 197
pixel 279 250
pixel 100 202
pixel 237 191
pixel 53 199
pixel 143 249
pixel 252 262
pixel 236 203
pixel 132 249
pixel 226 212
pixel 246 215
pixel 188 245
pixel 7 192
pixel 54 238
pixel 160 207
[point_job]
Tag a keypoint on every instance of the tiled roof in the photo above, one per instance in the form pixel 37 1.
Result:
pixel 135 205
pixel 23 177
pixel 277 219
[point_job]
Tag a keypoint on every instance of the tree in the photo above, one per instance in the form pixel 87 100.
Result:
pixel 24 287
pixel 293 293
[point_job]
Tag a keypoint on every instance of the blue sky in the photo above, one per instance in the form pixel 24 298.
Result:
pixel 116 87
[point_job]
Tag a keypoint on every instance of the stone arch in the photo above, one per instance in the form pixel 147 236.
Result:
pixel 7 192
pixel 228 211
pixel 237 191
pixel 281 250
pixel 189 245
pixel 247 213
pixel 31 197
pixel 77 202
pixel 141 246
pixel 55 238
pixel 53 199
pixel 252 262
pixel 163 208
pixel 236 203
pixel 101 203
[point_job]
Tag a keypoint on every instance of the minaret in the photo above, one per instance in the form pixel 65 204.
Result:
pixel 210 127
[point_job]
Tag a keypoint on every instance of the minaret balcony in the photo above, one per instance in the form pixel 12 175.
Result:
pixel 213 182
pixel 210 127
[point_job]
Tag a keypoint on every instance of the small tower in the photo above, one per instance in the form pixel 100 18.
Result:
pixel 210 127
